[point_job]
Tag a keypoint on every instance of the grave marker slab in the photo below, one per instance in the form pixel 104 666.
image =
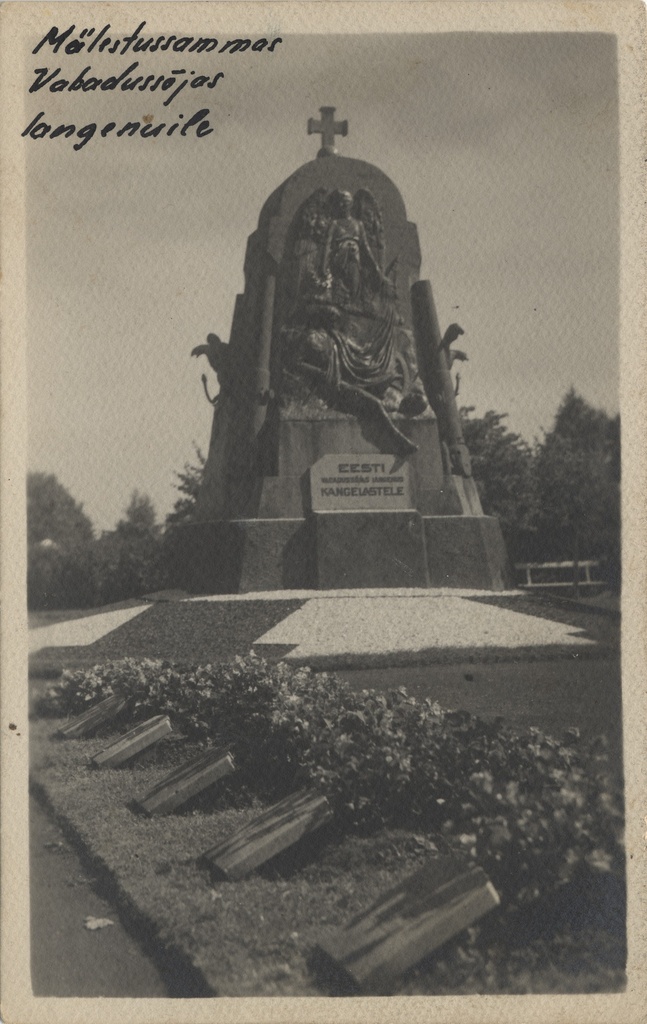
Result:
pixel 179 785
pixel 89 721
pixel 125 747
pixel 408 923
pixel 269 834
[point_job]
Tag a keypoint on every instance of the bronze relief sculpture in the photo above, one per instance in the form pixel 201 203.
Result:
pixel 343 334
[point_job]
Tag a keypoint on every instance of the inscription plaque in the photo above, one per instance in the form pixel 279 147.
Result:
pixel 347 482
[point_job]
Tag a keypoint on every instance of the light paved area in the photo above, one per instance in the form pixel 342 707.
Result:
pixel 352 622
pixel 324 595
pixel 80 632
pixel 361 625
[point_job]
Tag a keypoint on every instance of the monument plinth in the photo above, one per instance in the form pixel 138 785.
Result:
pixel 336 456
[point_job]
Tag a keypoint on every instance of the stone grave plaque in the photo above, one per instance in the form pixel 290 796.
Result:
pixel 342 483
pixel 99 714
pixel 273 831
pixel 190 779
pixel 409 922
pixel 140 738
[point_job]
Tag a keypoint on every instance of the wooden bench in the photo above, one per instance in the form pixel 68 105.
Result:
pixel 556 567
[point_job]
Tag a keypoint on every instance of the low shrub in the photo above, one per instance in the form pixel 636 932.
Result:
pixel 535 812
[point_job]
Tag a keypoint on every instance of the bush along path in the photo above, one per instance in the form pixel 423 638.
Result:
pixel 540 818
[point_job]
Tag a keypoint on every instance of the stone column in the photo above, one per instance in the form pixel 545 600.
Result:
pixel 262 377
pixel 434 370
pixel 436 377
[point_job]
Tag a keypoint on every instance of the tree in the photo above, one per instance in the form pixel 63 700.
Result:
pixel 128 558
pixel 140 518
pixel 578 481
pixel 54 515
pixel 503 469
pixel 59 543
pixel 189 483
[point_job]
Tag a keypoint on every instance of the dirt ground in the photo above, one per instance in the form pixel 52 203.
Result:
pixel 66 958
pixel 547 695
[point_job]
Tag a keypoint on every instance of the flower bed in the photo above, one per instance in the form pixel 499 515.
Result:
pixel 534 812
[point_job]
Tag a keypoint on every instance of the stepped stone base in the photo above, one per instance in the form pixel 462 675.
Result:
pixel 369 549
pixel 466 551
pixel 340 550
pixel 239 556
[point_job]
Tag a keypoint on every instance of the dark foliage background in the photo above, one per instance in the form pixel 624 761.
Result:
pixel 558 499
pixel 68 567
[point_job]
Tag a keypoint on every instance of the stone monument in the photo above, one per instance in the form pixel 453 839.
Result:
pixel 336 456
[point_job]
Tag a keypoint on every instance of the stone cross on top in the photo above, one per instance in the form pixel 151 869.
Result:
pixel 327 127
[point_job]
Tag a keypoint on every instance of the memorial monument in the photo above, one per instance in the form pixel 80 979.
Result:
pixel 336 456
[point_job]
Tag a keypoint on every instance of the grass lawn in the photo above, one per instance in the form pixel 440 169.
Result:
pixel 51 618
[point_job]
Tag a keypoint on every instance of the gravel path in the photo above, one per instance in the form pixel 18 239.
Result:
pixel 361 625
pixel 186 632
pixel 331 630
pixel 365 592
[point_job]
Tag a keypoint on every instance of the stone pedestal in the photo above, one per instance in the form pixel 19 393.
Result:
pixel 466 551
pixel 369 549
pixel 243 555
pixel 299 443
pixel 280 543
pixel 340 550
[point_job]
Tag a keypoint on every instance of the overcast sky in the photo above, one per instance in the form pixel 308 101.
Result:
pixel 503 147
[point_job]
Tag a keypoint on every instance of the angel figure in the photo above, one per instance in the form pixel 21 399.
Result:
pixel 347 258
